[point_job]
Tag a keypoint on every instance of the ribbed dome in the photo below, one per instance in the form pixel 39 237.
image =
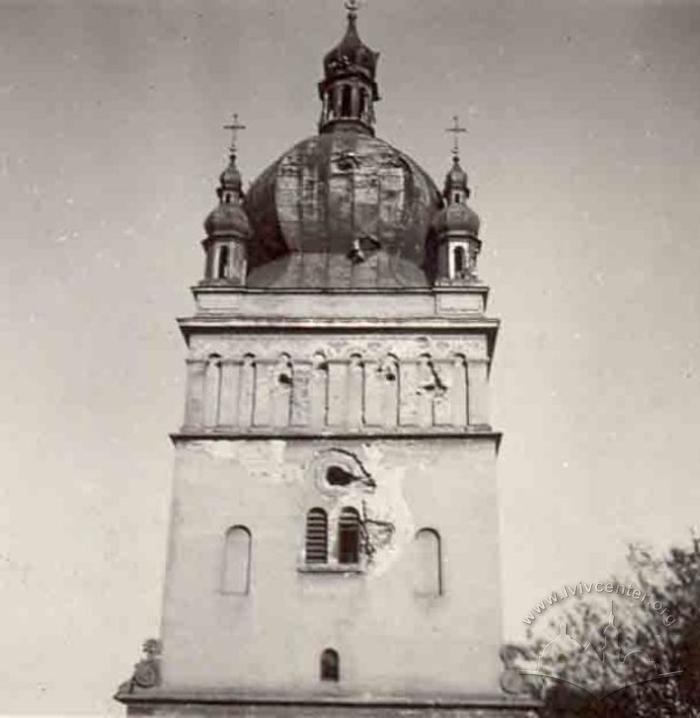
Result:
pixel 226 220
pixel 349 195
pixel 457 217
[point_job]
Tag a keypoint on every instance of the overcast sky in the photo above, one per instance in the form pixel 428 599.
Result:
pixel 583 153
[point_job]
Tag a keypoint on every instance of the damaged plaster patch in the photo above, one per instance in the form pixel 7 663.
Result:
pixel 264 461
pixel 387 518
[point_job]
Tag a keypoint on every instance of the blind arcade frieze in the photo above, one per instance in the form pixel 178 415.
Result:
pixel 355 392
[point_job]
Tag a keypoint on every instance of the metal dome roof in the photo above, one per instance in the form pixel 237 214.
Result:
pixel 457 217
pixel 346 194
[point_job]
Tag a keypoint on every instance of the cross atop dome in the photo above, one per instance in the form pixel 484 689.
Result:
pixel 235 128
pixel 456 131
pixel 352 6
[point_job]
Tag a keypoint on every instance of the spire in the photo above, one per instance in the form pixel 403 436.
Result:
pixel 348 90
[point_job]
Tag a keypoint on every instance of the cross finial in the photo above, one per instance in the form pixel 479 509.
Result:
pixel 457 130
pixel 235 126
pixel 352 7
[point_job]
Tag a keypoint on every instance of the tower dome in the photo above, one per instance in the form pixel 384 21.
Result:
pixel 343 208
pixel 457 218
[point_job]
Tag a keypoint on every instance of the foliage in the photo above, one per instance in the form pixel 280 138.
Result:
pixel 612 656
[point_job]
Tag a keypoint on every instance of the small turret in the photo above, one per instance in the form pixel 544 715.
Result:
pixel 227 226
pixel 349 89
pixel 456 226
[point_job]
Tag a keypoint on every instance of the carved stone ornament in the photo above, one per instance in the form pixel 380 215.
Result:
pixel 147 670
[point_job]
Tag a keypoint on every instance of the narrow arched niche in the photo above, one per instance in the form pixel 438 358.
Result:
pixel 330 665
pixel 428 563
pixel 212 390
pixel 235 577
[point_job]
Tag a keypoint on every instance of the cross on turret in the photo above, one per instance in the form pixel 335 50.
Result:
pixel 457 130
pixel 352 6
pixel 235 126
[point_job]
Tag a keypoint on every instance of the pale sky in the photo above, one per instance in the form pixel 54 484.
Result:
pixel 584 157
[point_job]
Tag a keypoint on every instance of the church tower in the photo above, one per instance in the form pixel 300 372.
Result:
pixel 334 536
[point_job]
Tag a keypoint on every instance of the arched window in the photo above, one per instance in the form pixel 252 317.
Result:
pixel 330 665
pixel 316 536
pixel 349 536
pixel 346 108
pixel 459 257
pixel 236 570
pixel 363 103
pixel 428 558
pixel 222 267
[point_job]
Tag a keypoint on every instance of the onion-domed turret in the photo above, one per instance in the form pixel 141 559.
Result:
pixel 227 226
pixel 456 226
pixel 349 89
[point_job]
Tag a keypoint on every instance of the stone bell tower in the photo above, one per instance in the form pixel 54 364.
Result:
pixel 334 538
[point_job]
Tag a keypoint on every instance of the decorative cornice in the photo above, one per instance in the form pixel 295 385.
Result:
pixel 475 288
pixel 187 434
pixel 228 697
pixel 208 322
